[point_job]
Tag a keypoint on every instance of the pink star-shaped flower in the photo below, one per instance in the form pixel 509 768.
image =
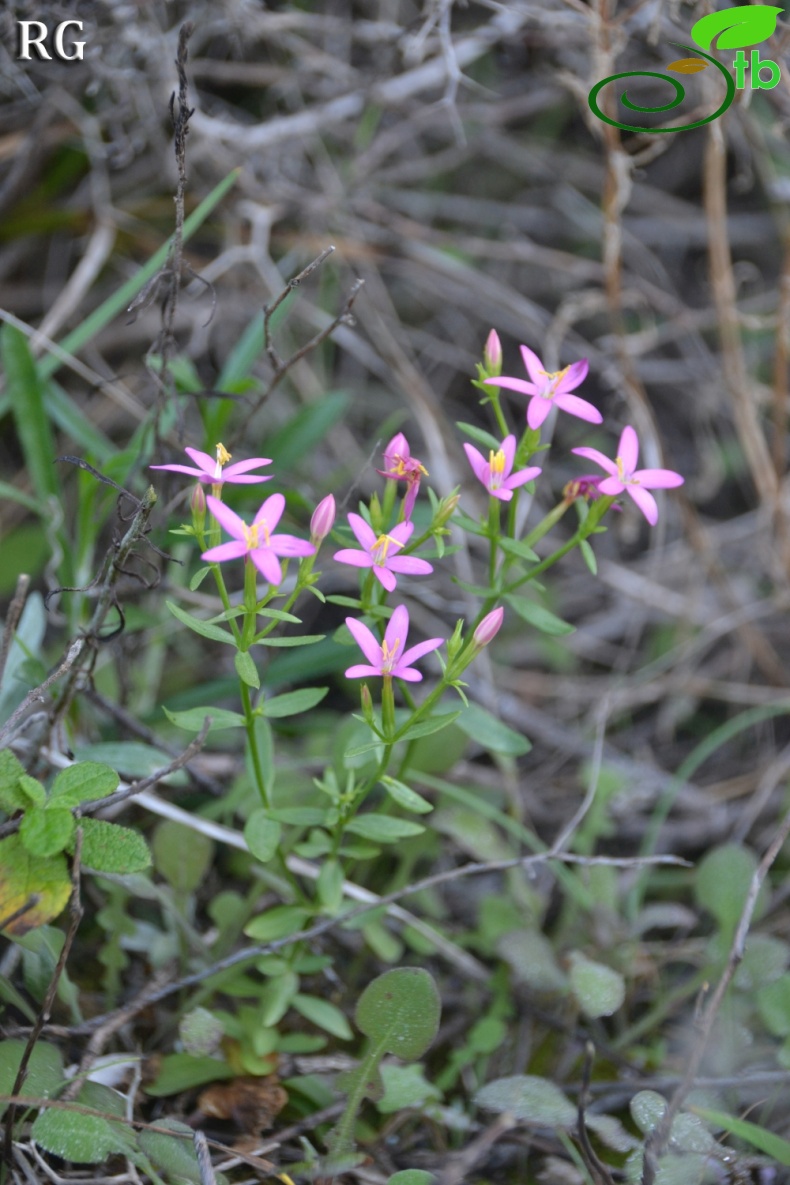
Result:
pixel 214 473
pixel 389 658
pixel 550 387
pixel 624 475
pixel 380 552
pixel 256 541
pixel 402 466
pixel 495 473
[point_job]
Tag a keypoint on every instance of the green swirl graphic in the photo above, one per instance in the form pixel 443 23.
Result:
pixel 680 95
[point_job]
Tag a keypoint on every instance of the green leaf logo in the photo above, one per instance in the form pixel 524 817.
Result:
pixel 747 24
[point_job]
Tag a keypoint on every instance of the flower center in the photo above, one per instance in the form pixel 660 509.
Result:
pixel 252 535
pixel 223 456
pixel 555 377
pixel 381 547
pixel 388 656
pixel 496 466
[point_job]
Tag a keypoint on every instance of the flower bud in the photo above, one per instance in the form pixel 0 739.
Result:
pixel 492 354
pixel 376 517
pixel 583 487
pixel 445 510
pixel 367 705
pixel 323 520
pixel 455 641
pixel 198 504
pixel 489 627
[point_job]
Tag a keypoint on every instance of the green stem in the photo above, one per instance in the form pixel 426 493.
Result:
pixel 493 537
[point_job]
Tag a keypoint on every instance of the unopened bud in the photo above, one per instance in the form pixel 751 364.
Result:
pixel 198 504
pixel 489 627
pixel 446 509
pixel 376 520
pixel 367 704
pixel 492 354
pixel 583 487
pixel 456 641
pixel 323 520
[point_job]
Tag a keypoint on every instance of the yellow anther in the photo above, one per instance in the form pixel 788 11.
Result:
pixel 388 655
pixel 496 462
pixel 556 377
pixel 252 535
pixel 620 468
pixel 382 546
pixel 223 456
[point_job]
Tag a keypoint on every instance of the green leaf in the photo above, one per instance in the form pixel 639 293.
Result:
pixel 199 577
pixel 517 548
pixel 293 702
pixel 299 816
pixel 262 835
pixel 181 1071
pixel 246 669
pixel 83 1139
pixel 424 728
pixel 722 883
pixel 11 770
pixel 405 1086
pixel 297 439
pixel 400 1012
pixel 412 1177
pixel 530 1099
pixel 752 1133
pixel 746 24
pixel 201 627
pixel 276 998
pixel 26 393
pixel 329 886
pixel 44 1070
pixel 482 726
pixel 588 555
pixel 773 1002
pixel 409 799
pixel 279 922
pixel 46 832
pixel 174 1155
pixel 323 1014
pixel 23 876
pixel 33 791
pixel 479 435
pixel 542 619
pixel 131 758
pixel 600 990
pixel 383 828
pixel 304 640
pixel 182 855
pixel 193 719
pixel 83 782
pixel 108 847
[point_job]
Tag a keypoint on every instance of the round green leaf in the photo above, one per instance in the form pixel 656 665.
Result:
pixel 533 1100
pixel 400 1012
pixel 44 833
pixel 600 990
pixel 722 883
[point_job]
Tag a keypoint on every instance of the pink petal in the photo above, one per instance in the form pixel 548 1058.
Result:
pixel 658 479
pixel 521 477
pixel 271 510
pixel 575 406
pixel 414 652
pixel 367 642
pixel 207 463
pixel 358 559
pixel 365 534
pixel 402 533
pixel 397 630
pixel 577 373
pixel 592 454
pixel 384 577
pixel 408 564
pixel 398 446
pixel 503 493
pixel 362 672
pixel 245 466
pixel 509 449
pixel 410 499
pixel 289 545
pixel 646 503
pixel 407 674
pixel 226 517
pixel 478 463
pixel 534 366
pixel 628 449
pixel 611 485
pixel 181 469
pixel 520 385
pixel 225 551
pixel 241 480
pixel 537 412
pixel 267 564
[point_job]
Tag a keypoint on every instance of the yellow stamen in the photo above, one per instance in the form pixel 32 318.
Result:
pixel 252 537
pixel 620 468
pixel 223 456
pixel 382 546
pixel 556 377
pixel 388 656
pixel 496 463
pixel 399 465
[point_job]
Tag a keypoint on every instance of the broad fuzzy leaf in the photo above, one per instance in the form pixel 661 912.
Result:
pixel 107 847
pixel 400 1012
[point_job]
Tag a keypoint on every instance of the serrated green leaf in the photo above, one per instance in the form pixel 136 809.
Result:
pixel 528 1098
pixel 23 877
pixel 46 832
pixel 193 719
pixel 201 627
pixel 108 847
pixel 246 669
pixel 383 828
pixel 409 799
pixel 293 702
pixel 600 990
pixel 83 782
pixel 540 618
pixel 262 835
pixel 746 24
pixel 400 1012
pixel 323 1014
pixel 44 1071
pixel 482 726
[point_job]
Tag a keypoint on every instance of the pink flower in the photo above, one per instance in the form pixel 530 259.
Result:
pixel 547 387
pixel 495 472
pixel 213 472
pixel 256 541
pixel 489 627
pixel 402 466
pixel 376 552
pixel 388 658
pixel 323 519
pixel 623 474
